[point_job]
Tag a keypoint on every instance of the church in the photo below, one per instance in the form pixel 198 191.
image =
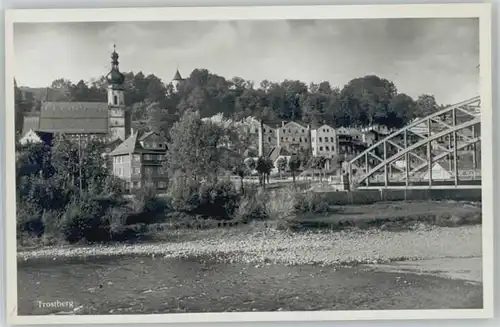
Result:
pixel 108 121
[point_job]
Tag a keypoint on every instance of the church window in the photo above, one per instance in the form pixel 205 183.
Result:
pixel 115 100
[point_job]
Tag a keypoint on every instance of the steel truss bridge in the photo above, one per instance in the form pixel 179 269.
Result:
pixel 442 150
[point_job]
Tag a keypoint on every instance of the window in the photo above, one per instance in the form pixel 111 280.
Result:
pixel 293 140
pixel 320 139
pixel 331 139
pixel 302 131
pixel 287 138
pixel 263 130
pixel 162 185
pixel 326 139
pixel 320 148
pixel 137 157
pixel 300 139
pixel 269 139
pixel 137 171
pixel 327 148
pixel 115 100
pixel 284 131
pixel 282 139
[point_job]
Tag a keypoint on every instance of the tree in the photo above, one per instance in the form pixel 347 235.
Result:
pixel 294 165
pixel 425 105
pixel 282 165
pixel 195 148
pixel 241 170
pixel 264 166
pixel 401 112
pixel 365 101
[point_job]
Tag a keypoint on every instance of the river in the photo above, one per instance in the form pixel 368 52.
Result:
pixel 146 285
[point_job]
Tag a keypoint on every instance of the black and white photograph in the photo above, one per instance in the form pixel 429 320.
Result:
pixel 247 166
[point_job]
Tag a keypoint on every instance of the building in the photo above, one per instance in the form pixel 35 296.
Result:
pixel 138 161
pixel 268 137
pixel 81 121
pixel 293 137
pixel 276 154
pixel 324 142
pixel 36 137
pixel 177 80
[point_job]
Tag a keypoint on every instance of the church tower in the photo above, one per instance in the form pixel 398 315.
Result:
pixel 177 80
pixel 119 121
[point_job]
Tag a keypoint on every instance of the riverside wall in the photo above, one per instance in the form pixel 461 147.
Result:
pixel 372 196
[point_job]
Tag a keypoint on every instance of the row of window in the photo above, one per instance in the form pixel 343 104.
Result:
pixel 154 156
pixel 320 139
pixel 327 148
pixel 153 145
pixel 137 158
pixel 300 139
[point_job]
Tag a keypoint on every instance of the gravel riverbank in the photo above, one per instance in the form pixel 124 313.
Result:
pixel 259 245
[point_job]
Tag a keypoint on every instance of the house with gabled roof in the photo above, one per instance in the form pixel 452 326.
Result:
pixel 294 137
pixel 37 137
pixel 138 161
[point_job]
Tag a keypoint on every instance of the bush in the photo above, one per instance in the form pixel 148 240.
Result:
pixel 310 202
pixel 29 220
pixel 147 201
pixel 252 206
pixel 183 193
pixel 219 200
pixel 85 219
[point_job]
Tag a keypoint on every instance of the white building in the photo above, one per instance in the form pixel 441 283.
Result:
pixel 324 141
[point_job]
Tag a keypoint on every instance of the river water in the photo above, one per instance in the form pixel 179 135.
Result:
pixel 146 285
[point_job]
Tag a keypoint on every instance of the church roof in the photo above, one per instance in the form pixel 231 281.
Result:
pixel 74 117
pixel 177 76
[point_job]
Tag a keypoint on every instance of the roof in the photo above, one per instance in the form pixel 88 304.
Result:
pixel 133 145
pixel 128 146
pixel 74 117
pixel 316 127
pixel 177 76
pixel 295 123
pixel 145 136
pixel 276 152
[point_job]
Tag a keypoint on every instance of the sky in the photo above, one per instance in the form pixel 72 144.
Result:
pixel 421 56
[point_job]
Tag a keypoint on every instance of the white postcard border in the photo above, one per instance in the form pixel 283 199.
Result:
pixel 480 10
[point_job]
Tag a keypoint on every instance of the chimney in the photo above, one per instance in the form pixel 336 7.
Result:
pixel 277 137
pixel 261 138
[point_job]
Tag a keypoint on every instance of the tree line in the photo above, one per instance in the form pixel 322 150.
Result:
pixel 361 102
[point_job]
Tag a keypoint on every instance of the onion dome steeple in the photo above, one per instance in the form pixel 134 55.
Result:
pixel 114 77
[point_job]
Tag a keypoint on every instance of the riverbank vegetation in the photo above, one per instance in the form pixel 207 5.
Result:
pixel 66 193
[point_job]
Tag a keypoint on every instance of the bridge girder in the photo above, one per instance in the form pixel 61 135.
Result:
pixel 421 144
